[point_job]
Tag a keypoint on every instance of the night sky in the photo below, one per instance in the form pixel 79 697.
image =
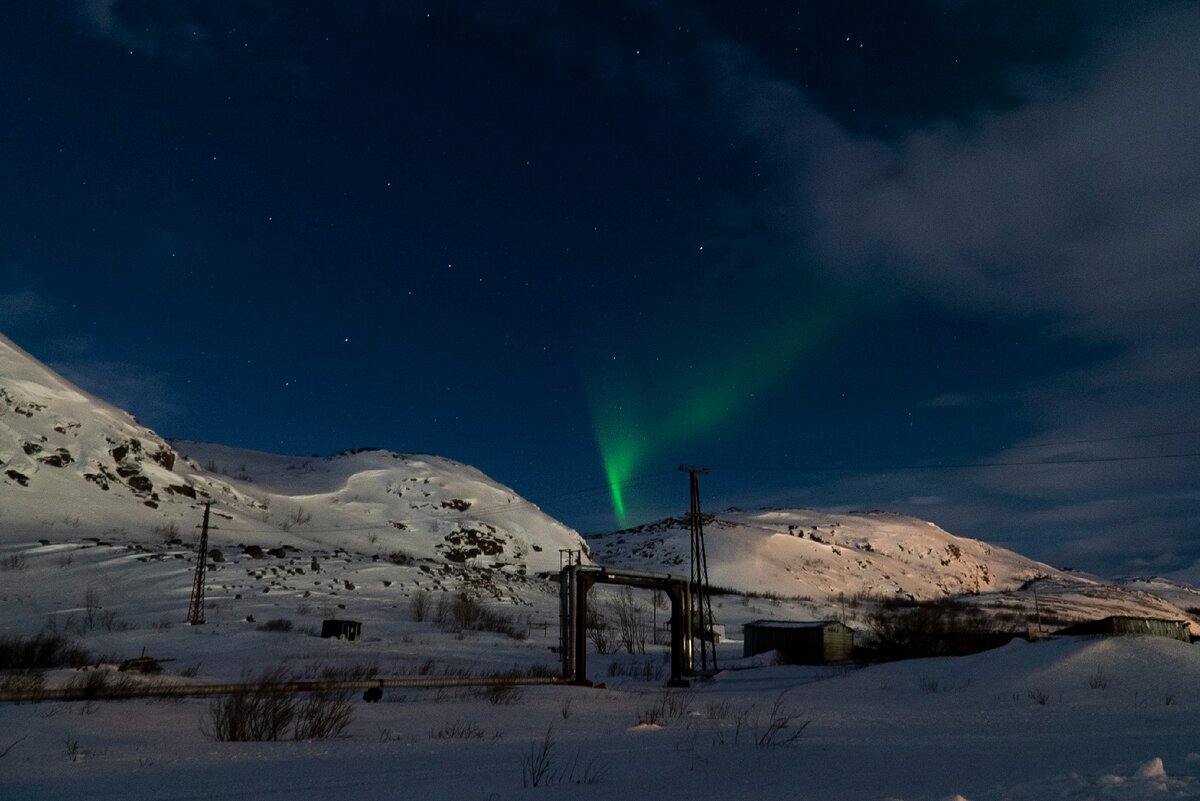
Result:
pixel 937 258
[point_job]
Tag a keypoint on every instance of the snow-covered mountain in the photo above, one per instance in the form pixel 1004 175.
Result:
pixel 74 469
pixel 817 554
pixel 834 560
pixel 76 466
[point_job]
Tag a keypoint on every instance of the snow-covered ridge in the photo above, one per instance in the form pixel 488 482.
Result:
pixel 830 559
pixel 818 554
pixel 73 467
pixel 69 462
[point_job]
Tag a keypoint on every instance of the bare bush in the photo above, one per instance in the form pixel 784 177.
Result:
pixel 419 606
pixel 299 517
pixel 16 562
pixel 41 652
pixel 459 730
pixel 465 612
pixel 631 622
pixel 502 692
pixel 276 624
pixel 4 751
pixel 323 715
pixel 908 629
pixel 251 716
pixel 25 682
pixel 101 684
pixel 647 668
pixel 536 765
pixel 91 607
pixel 268 712
pixel 598 631
pixel 168 532
pixel 669 704
pixel 780 728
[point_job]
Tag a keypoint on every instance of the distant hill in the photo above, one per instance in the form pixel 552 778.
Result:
pixel 73 465
pixel 837 560
pixel 74 469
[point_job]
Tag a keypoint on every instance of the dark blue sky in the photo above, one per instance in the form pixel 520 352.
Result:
pixel 842 254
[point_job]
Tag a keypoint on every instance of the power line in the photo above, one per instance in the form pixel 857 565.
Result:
pixel 869 468
pixel 647 478
pixel 1056 443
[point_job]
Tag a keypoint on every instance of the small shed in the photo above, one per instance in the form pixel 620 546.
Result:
pixel 802 642
pixel 342 629
pixel 1118 625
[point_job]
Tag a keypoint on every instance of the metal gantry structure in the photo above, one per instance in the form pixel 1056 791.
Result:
pixel 196 605
pixel 699 596
pixel 577 581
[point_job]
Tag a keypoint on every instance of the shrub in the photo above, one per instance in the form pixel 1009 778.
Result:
pixel 631 622
pixel 323 714
pixel 668 705
pixel 101 684
pixel 779 729
pixel 41 652
pixel 907 629
pixel 465 612
pixel 276 624
pixel 400 558
pixel 299 517
pixel 261 714
pixel 598 631
pixel 535 766
pixel 419 604
pixel 647 668
pixel 269 712
pixel 17 562
pixel 458 730
pixel 30 681
pixel 502 692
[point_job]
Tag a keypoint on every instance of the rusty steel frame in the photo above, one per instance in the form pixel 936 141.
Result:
pixel 577 580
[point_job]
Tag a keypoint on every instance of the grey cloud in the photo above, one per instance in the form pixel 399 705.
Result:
pixel 1079 204
pixel 173 31
pixel 22 307
pixel 146 395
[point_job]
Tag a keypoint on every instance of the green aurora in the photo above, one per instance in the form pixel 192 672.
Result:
pixel 650 405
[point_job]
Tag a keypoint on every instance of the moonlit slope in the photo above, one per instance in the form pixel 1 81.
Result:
pixel 831 559
pixel 73 465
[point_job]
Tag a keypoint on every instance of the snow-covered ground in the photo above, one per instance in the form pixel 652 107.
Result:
pixel 1064 719
pixel 98 536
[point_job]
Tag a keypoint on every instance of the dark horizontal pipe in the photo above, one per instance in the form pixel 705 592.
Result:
pixel 122 690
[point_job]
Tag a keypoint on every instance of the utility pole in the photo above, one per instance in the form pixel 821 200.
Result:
pixel 698 592
pixel 196 606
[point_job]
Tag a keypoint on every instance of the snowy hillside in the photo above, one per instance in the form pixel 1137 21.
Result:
pixel 98 523
pixel 835 560
pixel 74 467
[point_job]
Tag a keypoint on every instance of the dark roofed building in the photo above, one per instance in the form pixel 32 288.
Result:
pixel 801 642
pixel 1118 625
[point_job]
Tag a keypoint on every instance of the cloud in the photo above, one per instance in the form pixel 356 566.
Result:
pixel 1078 203
pixel 1069 210
pixel 21 308
pixel 175 31
pixel 148 396
pixel 1072 213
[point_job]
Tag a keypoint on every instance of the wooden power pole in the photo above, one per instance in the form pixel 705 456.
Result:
pixel 196 606
pixel 701 599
